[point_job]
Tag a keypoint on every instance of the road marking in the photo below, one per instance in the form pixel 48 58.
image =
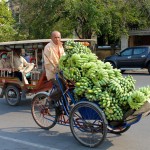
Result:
pixel 27 143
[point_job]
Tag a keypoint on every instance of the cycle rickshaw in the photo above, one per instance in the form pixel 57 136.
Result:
pixel 86 119
pixel 10 85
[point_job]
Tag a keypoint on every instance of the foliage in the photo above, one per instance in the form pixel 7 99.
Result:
pixel 40 17
pixel 120 17
pixel 84 18
pixel 7 31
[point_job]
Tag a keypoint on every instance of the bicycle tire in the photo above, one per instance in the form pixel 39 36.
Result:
pixel 92 131
pixel 43 115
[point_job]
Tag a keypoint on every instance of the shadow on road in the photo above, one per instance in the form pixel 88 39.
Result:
pixel 6 108
pixel 55 139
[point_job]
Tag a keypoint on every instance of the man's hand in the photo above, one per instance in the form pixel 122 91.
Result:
pixel 14 69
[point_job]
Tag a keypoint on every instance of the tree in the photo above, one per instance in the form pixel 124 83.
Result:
pixel 107 18
pixel 85 16
pixel 40 17
pixel 120 17
pixel 7 31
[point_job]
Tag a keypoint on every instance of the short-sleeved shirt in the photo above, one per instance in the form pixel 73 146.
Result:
pixel 52 54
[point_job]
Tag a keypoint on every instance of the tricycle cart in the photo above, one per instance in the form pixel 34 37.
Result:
pixel 11 87
pixel 86 119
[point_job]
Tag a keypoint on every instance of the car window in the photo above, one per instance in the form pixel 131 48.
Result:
pixel 127 52
pixel 139 50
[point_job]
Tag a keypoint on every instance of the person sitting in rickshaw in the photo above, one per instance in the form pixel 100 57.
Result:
pixel 5 61
pixel 21 66
pixel 24 55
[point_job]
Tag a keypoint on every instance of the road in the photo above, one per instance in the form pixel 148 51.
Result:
pixel 18 131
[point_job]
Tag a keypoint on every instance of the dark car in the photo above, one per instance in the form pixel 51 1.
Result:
pixel 131 58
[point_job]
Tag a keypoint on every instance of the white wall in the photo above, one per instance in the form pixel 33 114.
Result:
pixel 124 41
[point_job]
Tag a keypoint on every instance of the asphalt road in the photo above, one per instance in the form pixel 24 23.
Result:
pixel 18 131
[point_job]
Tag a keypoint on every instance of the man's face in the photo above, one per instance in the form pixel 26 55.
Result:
pixel 56 38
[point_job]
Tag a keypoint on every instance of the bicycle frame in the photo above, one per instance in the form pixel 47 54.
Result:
pixel 84 118
pixel 66 106
pixel 64 102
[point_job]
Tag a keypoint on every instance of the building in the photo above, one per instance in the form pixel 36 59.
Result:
pixel 136 38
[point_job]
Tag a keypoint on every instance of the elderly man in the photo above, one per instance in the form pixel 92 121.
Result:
pixel 52 53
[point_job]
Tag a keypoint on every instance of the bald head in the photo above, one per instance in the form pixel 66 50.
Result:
pixel 56 37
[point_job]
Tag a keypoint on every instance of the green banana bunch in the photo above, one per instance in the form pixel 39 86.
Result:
pixel 92 94
pixel 113 112
pixel 145 91
pixel 108 66
pixel 72 47
pixel 82 85
pixel 136 100
pixel 98 81
pixel 123 99
pixel 72 74
pixel 115 87
pixel 63 62
pixel 105 99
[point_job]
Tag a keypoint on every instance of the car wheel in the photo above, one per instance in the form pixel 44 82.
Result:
pixel 113 65
pixel 148 68
pixel 122 71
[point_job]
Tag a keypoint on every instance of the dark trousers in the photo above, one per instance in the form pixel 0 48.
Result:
pixel 57 93
pixel 18 75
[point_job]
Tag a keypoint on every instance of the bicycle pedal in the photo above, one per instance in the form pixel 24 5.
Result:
pixel 59 110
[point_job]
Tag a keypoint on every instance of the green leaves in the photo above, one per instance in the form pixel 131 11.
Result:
pixel 7 31
pixel 84 18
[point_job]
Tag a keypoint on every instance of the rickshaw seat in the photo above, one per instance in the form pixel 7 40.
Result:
pixel 42 79
pixel 43 84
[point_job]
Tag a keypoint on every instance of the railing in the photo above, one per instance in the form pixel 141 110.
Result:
pixel 6 72
pixel 35 75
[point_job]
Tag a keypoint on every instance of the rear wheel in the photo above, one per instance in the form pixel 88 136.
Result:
pixel 122 71
pixel 12 95
pixel 88 124
pixel 113 65
pixel 148 68
pixel 44 115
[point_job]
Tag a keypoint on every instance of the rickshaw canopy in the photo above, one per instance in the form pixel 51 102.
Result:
pixel 35 44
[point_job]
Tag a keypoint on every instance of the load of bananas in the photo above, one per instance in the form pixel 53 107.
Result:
pixel 99 82
pixel 75 48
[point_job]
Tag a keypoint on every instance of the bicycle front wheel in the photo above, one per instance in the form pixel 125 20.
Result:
pixel 88 124
pixel 44 115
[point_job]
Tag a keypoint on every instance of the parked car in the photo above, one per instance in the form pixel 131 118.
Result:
pixel 131 58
